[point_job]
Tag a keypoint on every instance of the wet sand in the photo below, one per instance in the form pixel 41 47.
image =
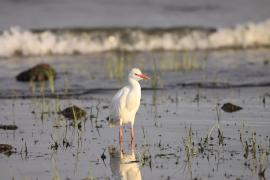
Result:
pixel 180 130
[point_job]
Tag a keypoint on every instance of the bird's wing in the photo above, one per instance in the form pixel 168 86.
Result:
pixel 118 103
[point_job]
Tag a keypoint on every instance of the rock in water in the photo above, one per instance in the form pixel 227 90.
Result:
pixel 73 112
pixel 40 72
pixel 229 107
pixel 5 148
pixel 8 127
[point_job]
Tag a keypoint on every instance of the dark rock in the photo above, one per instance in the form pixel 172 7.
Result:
pixel 40 72
pixel 8 127
pixel 73 112
pixel 5 148
pixel 229 107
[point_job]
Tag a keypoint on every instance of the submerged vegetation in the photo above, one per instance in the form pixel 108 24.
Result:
pixel 121 61
pixel 117 66
pixel 219 146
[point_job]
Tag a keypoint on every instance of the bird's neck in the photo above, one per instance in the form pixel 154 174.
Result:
pixel 134 84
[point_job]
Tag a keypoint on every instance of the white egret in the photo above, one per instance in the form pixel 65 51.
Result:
pixel 126 102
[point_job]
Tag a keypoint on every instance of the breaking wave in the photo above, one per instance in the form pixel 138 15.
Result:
pixel 18 41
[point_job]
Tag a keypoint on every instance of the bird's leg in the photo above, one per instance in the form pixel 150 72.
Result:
pixel 132 137
pixel 120 135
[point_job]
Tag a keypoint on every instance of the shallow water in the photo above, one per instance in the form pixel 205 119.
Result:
pixel 159 128
pixel 94 73
pixel 48 147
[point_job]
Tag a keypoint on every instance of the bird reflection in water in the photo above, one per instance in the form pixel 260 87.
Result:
pixel 124 166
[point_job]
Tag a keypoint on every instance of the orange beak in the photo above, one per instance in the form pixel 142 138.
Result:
pixel 143 76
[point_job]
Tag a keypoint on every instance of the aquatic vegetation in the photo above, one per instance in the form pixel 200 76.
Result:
pixel 118 65
pixel 145 158
pixel 96 116
pixel 190 150
pixel 185 61
pixel 155 79
pixel 258 152
pixel 198 148
pixel 24 150
pixel 155 75
pixel 144 154
pixel 262 163
pixel 253 145
pixel 189 62
pixel 55 171
pixel 54 145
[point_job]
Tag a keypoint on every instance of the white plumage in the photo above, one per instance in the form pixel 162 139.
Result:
pixel 124 166
pixel 126 102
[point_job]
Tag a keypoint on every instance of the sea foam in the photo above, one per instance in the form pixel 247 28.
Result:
pixel 18 41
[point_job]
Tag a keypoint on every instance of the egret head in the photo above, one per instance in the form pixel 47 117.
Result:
pixel 136 74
